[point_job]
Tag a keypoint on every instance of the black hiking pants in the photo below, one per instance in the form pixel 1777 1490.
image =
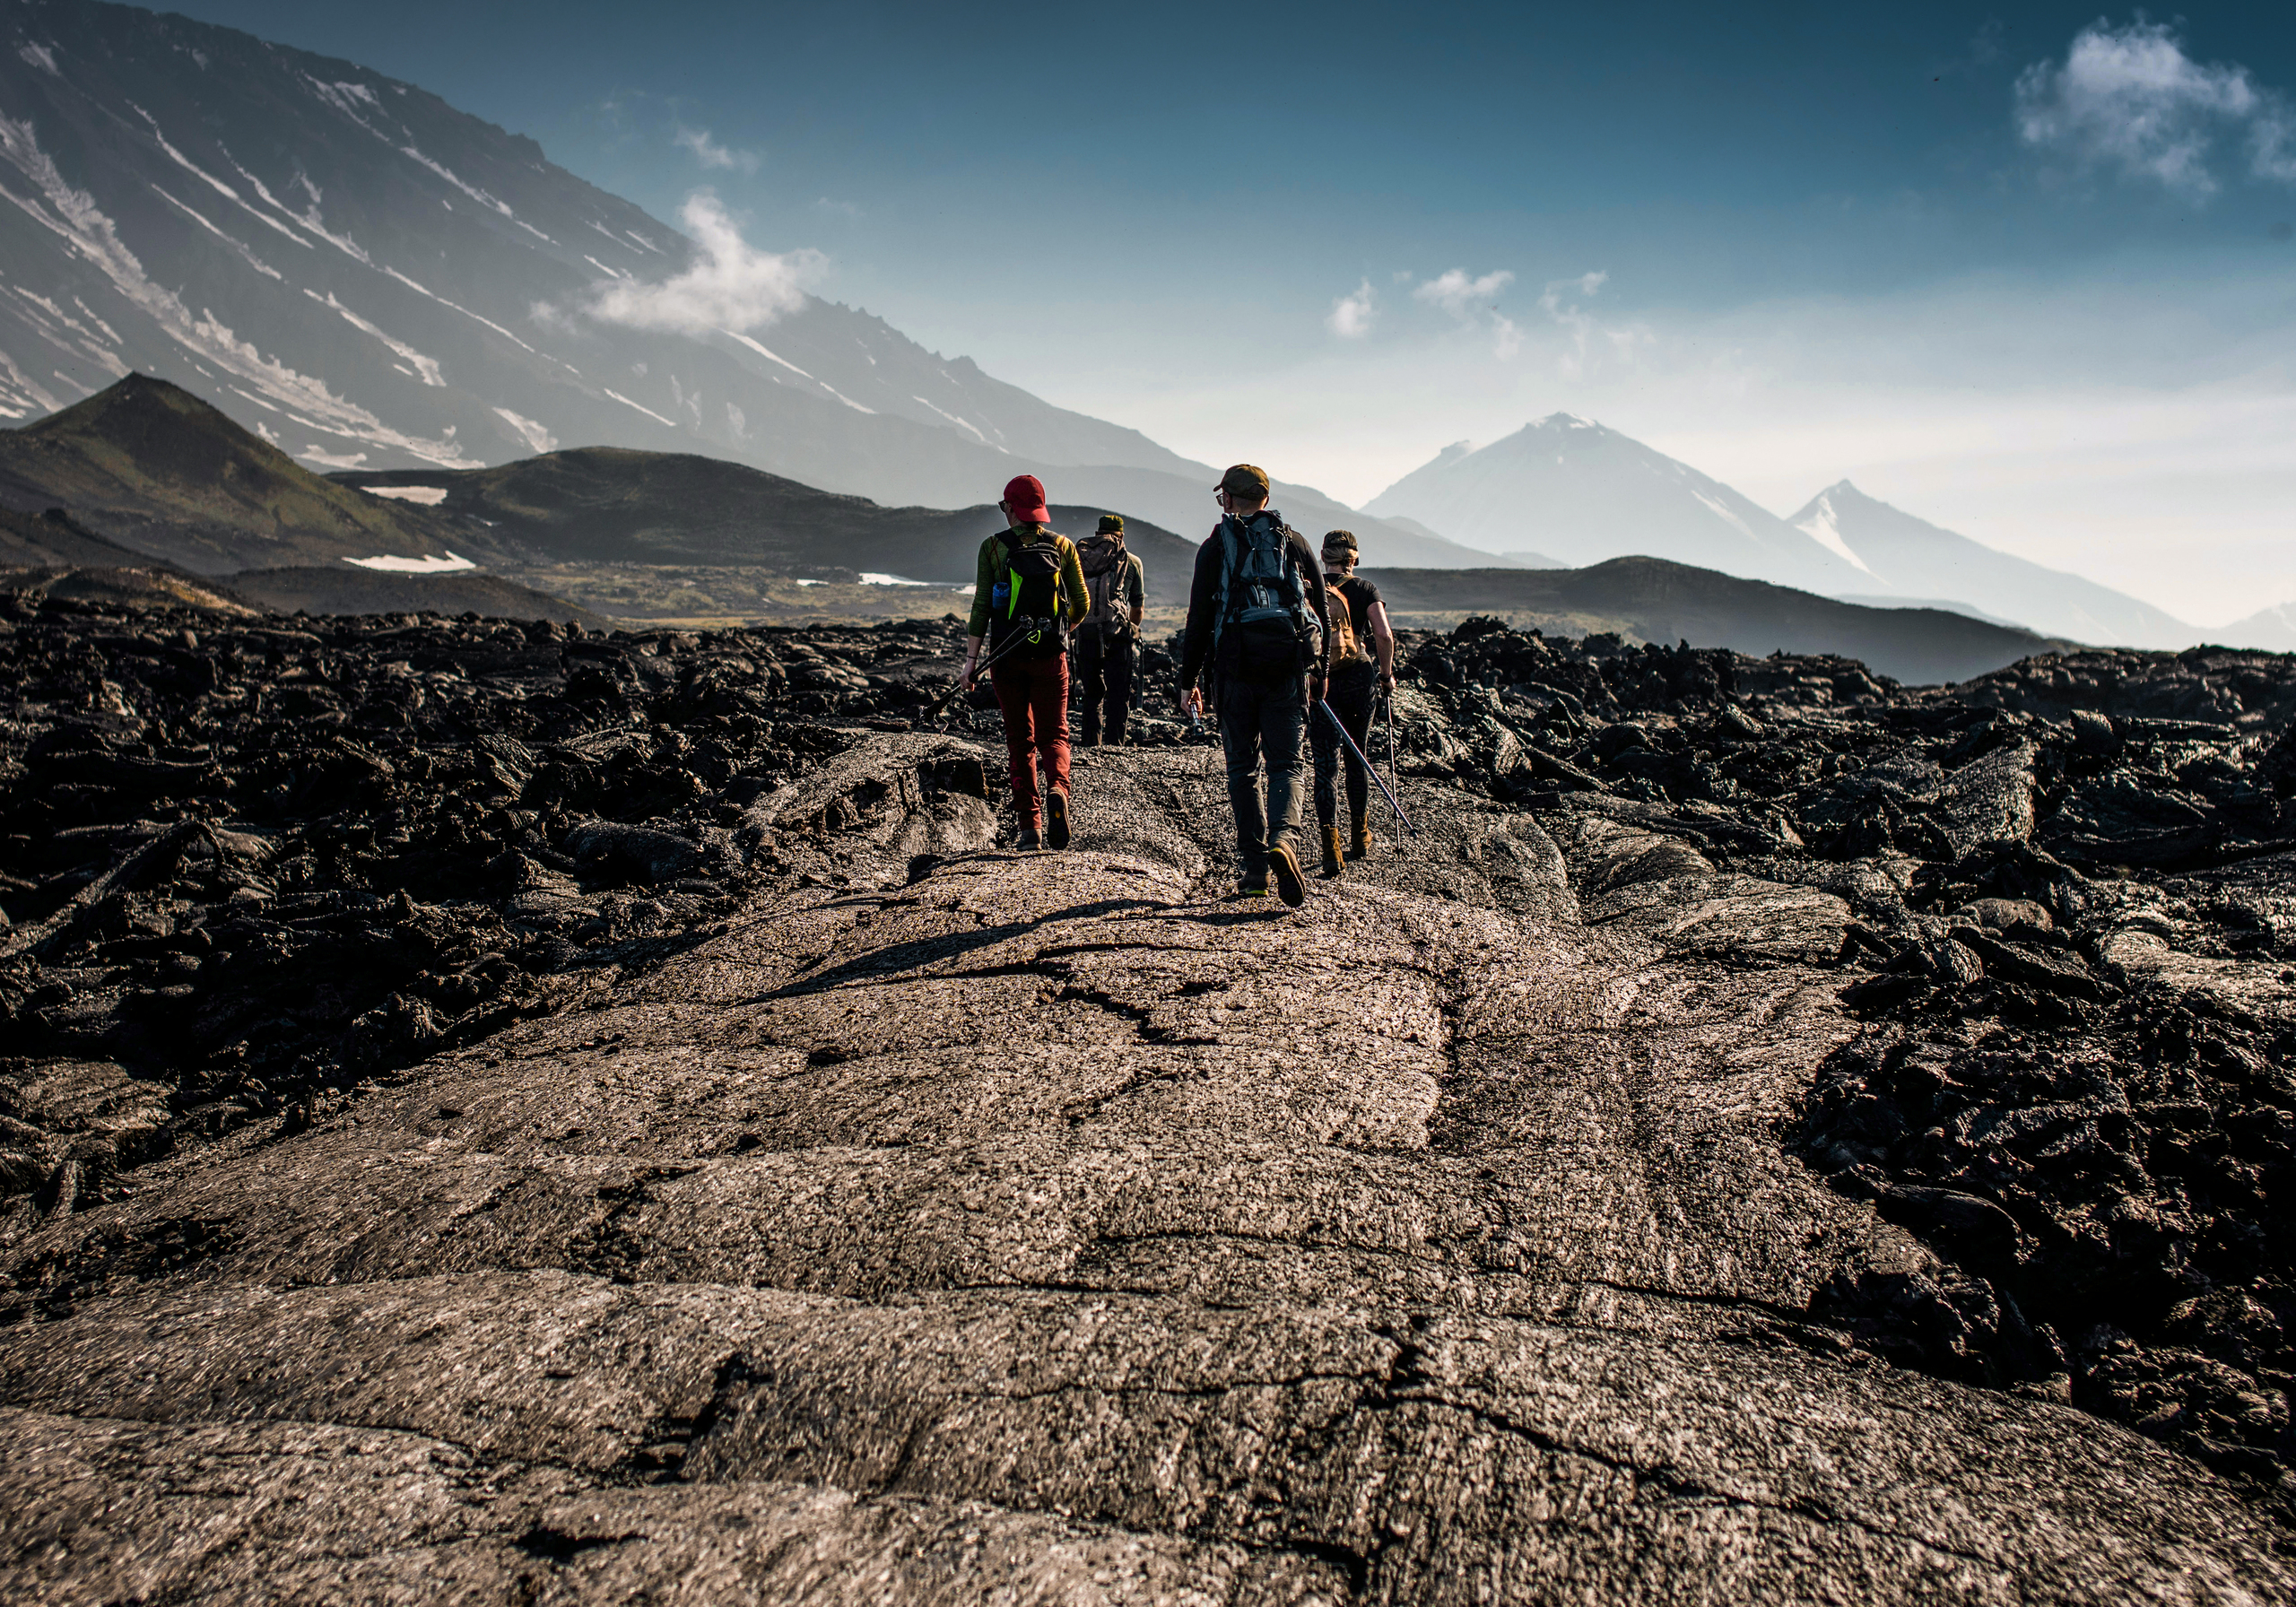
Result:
pixel 1104 685
pixel 1258 720
pixel 1352 705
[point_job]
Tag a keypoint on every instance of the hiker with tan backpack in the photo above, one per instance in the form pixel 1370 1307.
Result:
pixel 1363 662
pixel 1105 647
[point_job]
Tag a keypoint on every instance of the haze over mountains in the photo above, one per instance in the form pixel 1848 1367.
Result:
pixel 146 470
pixel 371 279
pixel 1571 487
pixel 1906 557
pixel 375 281
pixel 149 470
pixel 1583 492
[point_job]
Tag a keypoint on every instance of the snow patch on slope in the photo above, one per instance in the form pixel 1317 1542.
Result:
pixel 426 368
pixel 246 254
pixel 534 434
pixel 641 407
pixel 73 217
pixel 448 565
pixel 958 422
pixel 1822 527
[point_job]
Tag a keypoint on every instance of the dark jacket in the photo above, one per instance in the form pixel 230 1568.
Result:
pixel 1204 601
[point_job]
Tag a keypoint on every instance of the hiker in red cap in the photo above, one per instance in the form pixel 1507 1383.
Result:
pixel 1028 594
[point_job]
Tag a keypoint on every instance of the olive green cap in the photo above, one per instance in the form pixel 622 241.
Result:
pixel 1244 481
pixel 1340 541
pixel 1111 524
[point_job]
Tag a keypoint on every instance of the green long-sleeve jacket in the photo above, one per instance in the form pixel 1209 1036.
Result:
pixel 1074 600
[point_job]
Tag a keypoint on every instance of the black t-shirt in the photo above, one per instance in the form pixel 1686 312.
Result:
pixel 1361 594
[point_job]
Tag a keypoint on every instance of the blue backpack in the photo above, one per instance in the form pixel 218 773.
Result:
pixel 1263 605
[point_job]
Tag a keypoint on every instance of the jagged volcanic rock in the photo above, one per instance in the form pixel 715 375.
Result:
pixel 578 1116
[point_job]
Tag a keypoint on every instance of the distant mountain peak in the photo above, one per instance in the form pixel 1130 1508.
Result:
pixel 1820 521
pixel 1909 557
pixel 1573 488
pixel 1566 421
pixel 1841 493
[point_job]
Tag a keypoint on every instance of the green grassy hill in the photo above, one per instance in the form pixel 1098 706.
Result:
pixel 160 472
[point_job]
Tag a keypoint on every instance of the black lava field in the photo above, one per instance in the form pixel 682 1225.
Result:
pixel 253 869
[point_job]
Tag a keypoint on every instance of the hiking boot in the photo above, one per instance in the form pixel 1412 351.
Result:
pixel 1254 885
pixel 1332 864
pixel 1290 885
pixel 1056 818
pixel 1029 842
pixel 1359 846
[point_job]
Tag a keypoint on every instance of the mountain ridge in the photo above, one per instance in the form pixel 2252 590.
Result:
pixel 370 278
pixel 1916 557
pixel 1662 601
pixel 159 471
pixel 1585 492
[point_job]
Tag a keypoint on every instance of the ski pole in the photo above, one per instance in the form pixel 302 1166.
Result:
pixel 1369 769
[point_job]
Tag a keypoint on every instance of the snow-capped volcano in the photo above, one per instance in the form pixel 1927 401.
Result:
pixel 1910 558
pixel 1583 492
pixel 370 279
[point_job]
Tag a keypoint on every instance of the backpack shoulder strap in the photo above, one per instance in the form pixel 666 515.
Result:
pixel 1228 559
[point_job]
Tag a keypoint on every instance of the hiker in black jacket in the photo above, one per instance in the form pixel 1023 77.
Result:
pixel 1107 646
pixel 1255 621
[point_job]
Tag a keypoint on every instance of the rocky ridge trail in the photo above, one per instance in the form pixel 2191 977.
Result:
pixel 1042 1225
pixel 901 1219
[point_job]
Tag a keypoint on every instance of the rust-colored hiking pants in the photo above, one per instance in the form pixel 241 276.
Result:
pixel 1034 693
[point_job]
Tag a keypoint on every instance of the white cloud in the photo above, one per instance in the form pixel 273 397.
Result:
pixel 1460 295
pixel 1351 315
pixel 2132 99
pixel 710 154
pixel 1582 357
pixel 730 285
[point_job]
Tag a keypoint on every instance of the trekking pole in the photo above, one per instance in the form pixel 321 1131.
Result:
pixel 1369 769
pixel 933 710
pixel 1387 703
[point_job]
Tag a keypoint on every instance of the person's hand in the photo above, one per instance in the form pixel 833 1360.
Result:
pixel 971 676
pixel 1192 700
pixel 1315 688
pixel 1388 683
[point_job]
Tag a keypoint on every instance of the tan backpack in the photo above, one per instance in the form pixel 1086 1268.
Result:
pixel 1345 648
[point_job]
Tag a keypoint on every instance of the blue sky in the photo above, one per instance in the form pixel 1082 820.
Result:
pixel 2027 271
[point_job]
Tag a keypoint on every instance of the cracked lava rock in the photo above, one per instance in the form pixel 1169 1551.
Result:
pixel 491 1111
